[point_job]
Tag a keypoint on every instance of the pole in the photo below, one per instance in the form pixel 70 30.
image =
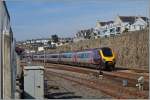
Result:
pixel 1 66
pixel 44 57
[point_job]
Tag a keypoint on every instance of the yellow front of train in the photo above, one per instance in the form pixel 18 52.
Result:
pixel 108 58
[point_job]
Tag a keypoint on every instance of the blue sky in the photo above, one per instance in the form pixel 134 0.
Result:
pixel 42 18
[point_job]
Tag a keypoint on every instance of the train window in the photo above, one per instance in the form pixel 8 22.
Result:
pixel 83 55
pixel 96 54
pixel 67 55
pixel 64 56
pixel 79 55
pixel 107 52
pixel 54 56
pixel 88 55
pixel 70 55
pixel 35 57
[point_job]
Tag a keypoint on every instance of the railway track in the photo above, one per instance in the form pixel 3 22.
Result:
pixel 118 76
pixel 114 90
pixel 115 78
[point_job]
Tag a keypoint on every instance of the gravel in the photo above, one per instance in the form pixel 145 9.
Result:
pixel 59 88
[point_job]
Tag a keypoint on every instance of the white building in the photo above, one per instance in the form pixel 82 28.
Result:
pixel 104 28
pixel 131 23
pixel 40 48
pixel 120 25
pixel 139 24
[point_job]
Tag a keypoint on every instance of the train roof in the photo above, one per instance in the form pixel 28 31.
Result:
pixel 90 49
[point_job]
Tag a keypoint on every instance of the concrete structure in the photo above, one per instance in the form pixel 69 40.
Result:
pixel 6 42
pixel 33 82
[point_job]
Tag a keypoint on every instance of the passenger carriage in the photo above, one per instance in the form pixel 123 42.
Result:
pixel 103 58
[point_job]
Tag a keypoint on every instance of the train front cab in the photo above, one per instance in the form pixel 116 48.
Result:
pixel 108 58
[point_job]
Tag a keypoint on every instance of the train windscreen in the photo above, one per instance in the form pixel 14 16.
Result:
pixel 107 52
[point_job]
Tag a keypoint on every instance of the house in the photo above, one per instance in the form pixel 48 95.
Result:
pixel 104 28
pixel 130 23
pixel 65 40
pixel 42 40
pixel 123 23
pixel 103 24
pixel 120 25
pixel 140 24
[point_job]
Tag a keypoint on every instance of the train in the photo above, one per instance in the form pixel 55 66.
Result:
pixel 102 58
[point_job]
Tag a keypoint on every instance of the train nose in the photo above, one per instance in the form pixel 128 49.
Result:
pixel 109 61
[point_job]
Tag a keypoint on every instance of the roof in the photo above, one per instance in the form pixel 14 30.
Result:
pixel 34 67
pixel 144 18
pixel 89 49
pixel 130 19
pixel 105 23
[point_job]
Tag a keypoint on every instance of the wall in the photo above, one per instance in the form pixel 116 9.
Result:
pixel 5 53
pixel 131 48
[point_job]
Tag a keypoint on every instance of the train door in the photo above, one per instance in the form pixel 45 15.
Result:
pixel 74 57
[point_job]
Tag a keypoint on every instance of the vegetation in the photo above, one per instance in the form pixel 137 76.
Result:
pixel 125 30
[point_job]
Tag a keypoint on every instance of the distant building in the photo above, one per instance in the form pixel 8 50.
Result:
pixel 140 24
pixel 131 23
pixel 123 23
pixel 120 25
pixel 104 28
pixel 65 40
pixel 45 43
pixel 40 48
pixel 42 40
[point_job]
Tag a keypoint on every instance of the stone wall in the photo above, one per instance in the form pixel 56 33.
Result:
pixel 131 49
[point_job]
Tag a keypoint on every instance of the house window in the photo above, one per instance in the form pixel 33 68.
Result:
pixel 141 27
pixel 111 30
pixel 104 31
pixel 118 29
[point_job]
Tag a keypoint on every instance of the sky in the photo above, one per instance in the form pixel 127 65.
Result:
pixel 31 19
